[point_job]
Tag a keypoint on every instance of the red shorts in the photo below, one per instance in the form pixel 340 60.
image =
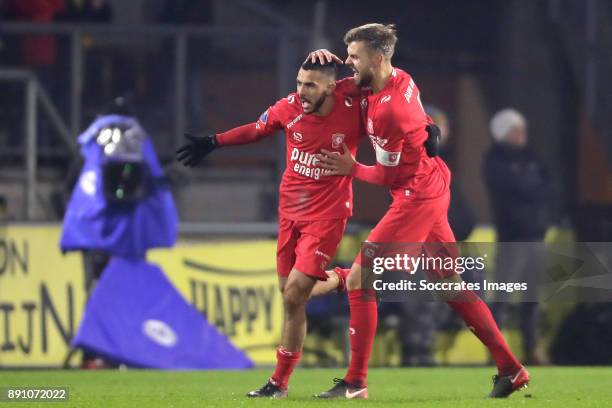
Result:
pixel 409 222
pixel 307 246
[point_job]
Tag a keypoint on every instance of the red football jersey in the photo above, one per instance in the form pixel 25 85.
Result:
pixel 395 123
pixel 306 193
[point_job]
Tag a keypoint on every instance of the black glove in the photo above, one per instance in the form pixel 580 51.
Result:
pixel 197 148
pixel 432 144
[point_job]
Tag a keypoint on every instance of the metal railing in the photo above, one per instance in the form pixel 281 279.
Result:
pixel 285 58
pixel 33 94
pixel 290 45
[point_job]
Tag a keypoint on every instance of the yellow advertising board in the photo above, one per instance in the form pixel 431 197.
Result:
pixel 235 286
pixel 42 296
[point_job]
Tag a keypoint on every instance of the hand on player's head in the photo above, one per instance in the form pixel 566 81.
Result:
pixel 323 56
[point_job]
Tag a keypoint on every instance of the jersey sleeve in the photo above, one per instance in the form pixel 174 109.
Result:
pixel 399 125
pixel 388 137
pixel 270 121
pixel 410 117
pixel 388 145
pixel 377 174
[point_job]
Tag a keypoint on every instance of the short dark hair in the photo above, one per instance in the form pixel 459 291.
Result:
pixel 377 37
pixel 330 68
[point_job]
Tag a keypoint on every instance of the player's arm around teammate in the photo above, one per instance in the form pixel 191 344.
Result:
pixel 396 124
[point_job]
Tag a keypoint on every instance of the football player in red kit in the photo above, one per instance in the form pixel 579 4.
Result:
pixel 313 209
pixel 419 184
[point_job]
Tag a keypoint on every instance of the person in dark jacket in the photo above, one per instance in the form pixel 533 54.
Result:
pixel 519 188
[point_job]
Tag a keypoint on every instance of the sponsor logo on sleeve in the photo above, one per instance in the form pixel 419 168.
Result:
pixel 385 99
pixel 291 98
pixel 409 91
pixel 294 121
pixel 264 117
pixel 297 136
pixel 348 101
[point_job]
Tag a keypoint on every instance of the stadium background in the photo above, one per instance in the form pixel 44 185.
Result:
pixel 222 64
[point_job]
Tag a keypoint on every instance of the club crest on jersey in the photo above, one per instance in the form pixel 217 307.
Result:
pixel 264 117
pixel 348 101
pixel 297 136
pixel 370 126
pixel 337 140
pixel 385 98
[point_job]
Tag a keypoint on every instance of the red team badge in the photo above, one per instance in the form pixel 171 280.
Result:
pixel 337 140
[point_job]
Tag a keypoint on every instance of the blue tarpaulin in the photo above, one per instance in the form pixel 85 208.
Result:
pixel 137 317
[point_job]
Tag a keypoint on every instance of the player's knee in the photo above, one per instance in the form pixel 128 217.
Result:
pixel 294 298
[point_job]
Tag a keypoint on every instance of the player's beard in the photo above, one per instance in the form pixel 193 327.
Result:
pixel 363 79
pixel 317 105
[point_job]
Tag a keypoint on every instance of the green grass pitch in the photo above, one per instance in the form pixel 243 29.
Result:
pixel 415 387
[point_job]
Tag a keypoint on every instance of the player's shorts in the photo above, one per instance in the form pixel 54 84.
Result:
pixel 307 246
pixel 409 222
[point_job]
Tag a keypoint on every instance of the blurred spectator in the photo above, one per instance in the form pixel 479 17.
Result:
pixel 520 193
pixel 518 182
pixel 91 11
pixel 37 50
